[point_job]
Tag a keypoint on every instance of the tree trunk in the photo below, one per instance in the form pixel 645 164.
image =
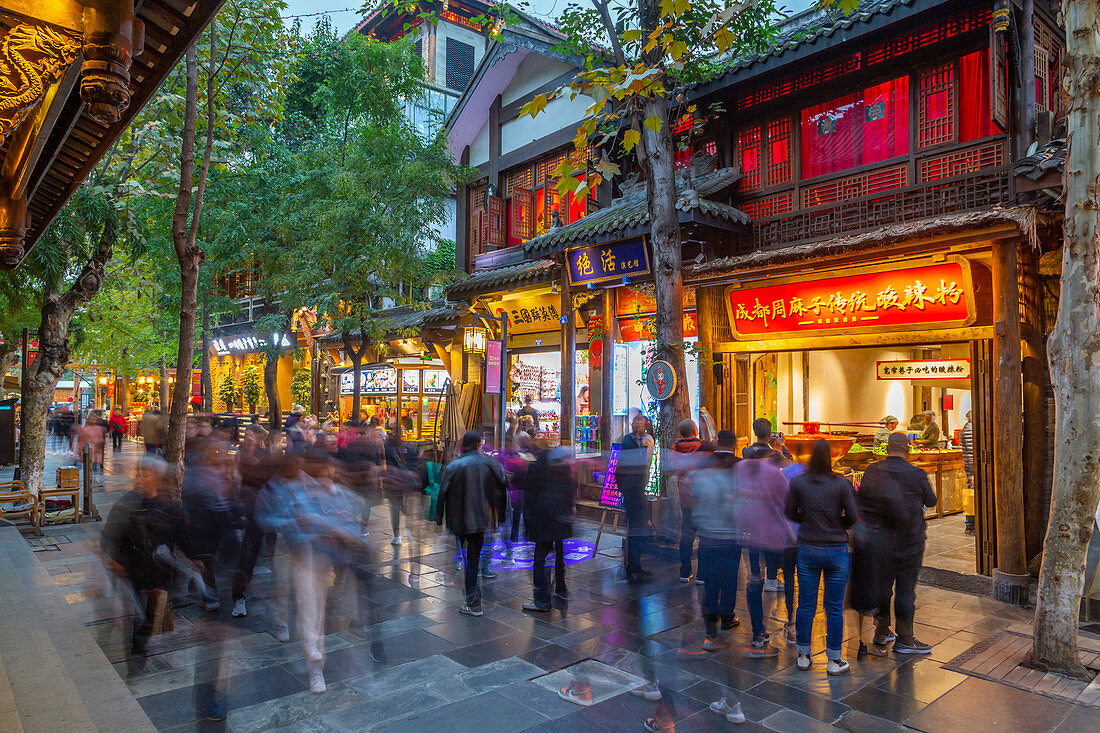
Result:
pixel 659 162
pixel 53 356
pixel 163 401
pixel 271 387
pixel 188 253
pixel 356 361
pixel 206 387
pixel 1074 353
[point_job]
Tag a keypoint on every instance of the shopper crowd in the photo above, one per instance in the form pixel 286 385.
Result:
pixel 304 495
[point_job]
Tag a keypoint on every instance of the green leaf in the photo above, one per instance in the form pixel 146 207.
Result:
pixel 653 122
pixel 630 139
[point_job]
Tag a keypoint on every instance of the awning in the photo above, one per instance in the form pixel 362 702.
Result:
pixel 698 202
pixel 397 321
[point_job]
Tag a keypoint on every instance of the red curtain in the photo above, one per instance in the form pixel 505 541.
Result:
pixel 974 114
pixel 856 129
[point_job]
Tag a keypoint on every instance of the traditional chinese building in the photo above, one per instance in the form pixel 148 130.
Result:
pixel 867 231
pixel 75 72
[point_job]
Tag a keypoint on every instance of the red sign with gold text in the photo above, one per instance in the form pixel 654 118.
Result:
pixel 939 296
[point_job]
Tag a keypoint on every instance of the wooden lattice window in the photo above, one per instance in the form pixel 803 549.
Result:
pixel 779 151
pixel 961 162
pixel 857 186
pixel 521 218
pixel 683 124
pixel 478 223
pixel 519 178
pixel 927 35
pixel 998 80
pixel 775 205
pixel 748 157
pixel 936 123
pixel 1048 64
pixel 496 214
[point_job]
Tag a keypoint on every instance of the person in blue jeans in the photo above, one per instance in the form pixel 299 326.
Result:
pixel 824 506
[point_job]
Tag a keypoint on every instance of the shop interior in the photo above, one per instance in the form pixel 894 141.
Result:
pixel 844 394
pixel 538 373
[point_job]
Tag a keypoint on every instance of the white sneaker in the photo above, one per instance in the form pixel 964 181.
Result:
pixel 282 633
pixel 838 666
pixel 732 711
pixel 313 654
pixel 239 608
pixel 649 691
pixel 804 662
pixel 317 682
pixel 396 540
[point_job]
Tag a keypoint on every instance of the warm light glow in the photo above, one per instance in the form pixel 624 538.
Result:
pixel 474 339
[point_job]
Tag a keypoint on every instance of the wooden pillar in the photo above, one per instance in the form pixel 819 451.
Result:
pixel 608 332
pixel 568 361
pixel 1035 376
pixel 1010 576
pixel 705 302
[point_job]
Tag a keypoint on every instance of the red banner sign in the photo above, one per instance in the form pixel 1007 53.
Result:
pixel 639 329
pixel 939 296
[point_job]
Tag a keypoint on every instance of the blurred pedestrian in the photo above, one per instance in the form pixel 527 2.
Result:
pixel 256 467
pixel 882 515
pixel 761 503
pixel 916 494
pixel 150 428
pixel 549 493
pixel 472 500
pixel 274 515
pixel 205 492
pixel 714 489
pixel 687 452
pixel 117 427
pixel 515 459
pixel 93 434
pixel 632 476
pixel 142 521
pixel 966 438
pixel 824 506
pixel 403 476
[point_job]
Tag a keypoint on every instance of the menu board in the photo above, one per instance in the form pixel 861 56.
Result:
pixel 410 381
pixel 372 382
pixel 434 380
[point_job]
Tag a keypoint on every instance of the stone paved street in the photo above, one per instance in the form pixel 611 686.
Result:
pixel 420 666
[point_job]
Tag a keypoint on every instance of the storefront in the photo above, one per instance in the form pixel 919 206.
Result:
pixel 828 346
pixel 408 393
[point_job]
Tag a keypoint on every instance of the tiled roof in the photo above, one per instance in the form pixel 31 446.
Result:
pixel 633 210
pixel 812 24
pixel 532 272
pixel 1051 156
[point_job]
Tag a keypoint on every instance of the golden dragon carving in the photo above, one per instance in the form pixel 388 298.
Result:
pixel 31 59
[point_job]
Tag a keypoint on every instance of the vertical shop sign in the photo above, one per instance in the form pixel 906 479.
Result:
pixel 493 367
pixel 610 496
pixel 620 377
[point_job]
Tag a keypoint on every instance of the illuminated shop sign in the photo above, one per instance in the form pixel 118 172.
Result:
pixel 923 369
pixel 641 329
pixel 531 314
pixel 372 382
pixel 245 344
pixel 881 299
pixel 607 262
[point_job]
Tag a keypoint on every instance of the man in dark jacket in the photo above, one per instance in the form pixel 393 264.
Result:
pixel 255 465
pixel 916 494
pixel 631 476
pixel 472 497
pixel 549 491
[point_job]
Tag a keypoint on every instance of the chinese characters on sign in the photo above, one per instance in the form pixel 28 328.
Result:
pixel 640 329
pixel 614 261
pixel 531 314
pixel 924 369
pixel 493 367
pixel 611 497
pixel 935 295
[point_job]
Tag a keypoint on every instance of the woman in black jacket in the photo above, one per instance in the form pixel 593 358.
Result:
pixel 549 491
pixel 882 514
pixel 824 506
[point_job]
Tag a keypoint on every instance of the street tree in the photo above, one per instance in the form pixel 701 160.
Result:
pixel 641 62
pixel 363 196
pixel 1074 355
pixel 242 78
